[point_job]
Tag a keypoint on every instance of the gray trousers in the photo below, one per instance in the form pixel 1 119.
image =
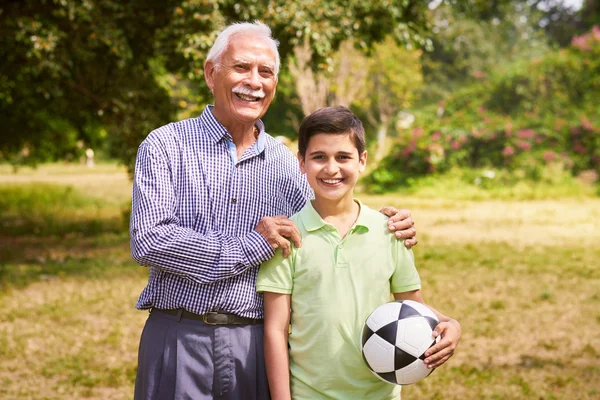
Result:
pixel 188 359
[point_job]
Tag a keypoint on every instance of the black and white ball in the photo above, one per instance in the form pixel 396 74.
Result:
pixel 394 339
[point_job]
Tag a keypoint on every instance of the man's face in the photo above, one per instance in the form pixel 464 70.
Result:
pixel 244 81
pixel 332 165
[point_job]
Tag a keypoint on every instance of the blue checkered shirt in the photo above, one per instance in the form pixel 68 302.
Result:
pixel 194 215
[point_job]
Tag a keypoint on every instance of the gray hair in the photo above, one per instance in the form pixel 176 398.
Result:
pixel 255 28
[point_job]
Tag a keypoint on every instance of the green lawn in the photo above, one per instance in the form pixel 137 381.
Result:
pixel 522 277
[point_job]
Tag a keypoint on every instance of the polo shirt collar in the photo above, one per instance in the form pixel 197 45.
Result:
pixel 218 132
pixel 312 220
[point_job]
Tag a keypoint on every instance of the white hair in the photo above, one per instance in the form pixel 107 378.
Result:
pixel 256 28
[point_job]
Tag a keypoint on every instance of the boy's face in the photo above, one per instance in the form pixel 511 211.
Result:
pixel 332 165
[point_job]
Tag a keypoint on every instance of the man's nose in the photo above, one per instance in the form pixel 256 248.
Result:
pixel 253 79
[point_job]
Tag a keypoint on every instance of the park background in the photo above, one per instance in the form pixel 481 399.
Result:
pixel 482 116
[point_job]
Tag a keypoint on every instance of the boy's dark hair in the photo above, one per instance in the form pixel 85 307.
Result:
pixel 336 120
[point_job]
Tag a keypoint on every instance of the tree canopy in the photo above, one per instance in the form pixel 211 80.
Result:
pixel 76 71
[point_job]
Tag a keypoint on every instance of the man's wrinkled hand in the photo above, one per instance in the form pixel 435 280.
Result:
pixel 402 224
pixel 279 231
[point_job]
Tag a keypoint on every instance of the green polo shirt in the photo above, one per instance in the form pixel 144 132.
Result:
pixel 335 284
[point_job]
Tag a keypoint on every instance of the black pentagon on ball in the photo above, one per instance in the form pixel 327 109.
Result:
pixel 388 332
pixel 402 358
pixel 388 376
pixel 366 334
pixel 407 311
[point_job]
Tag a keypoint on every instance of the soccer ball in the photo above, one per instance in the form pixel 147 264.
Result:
pixel 394 338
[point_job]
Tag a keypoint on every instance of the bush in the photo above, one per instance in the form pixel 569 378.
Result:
pixel 534 113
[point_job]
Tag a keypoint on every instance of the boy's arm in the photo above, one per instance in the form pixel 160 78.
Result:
pixel 277 319
pixel 448 329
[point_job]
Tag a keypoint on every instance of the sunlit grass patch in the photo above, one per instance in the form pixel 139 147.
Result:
pixel 47 209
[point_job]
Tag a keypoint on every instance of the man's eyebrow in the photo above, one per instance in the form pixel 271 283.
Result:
pixel 247 62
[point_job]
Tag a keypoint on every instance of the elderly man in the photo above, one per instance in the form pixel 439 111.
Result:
pixel 211 198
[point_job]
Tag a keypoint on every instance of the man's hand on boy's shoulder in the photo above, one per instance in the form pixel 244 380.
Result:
pixel 402 224
pixel 279 231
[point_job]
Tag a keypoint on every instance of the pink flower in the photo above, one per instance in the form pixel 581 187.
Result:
pixel 408 150
pixel 587 124
pixel 478 74
pixel 526 134
pixel 581 43
pixel 579 148
pixel 436 136
pixel 475 132
pixel 455 145
pixel 575 131
pixel 596 32
pixel 417 132
pixel 508 151
pixel 481 109
pixel 508 128
pixel 549 156
pixel 525 146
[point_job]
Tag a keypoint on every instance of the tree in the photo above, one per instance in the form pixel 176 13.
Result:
pixel 394 79
pixel 70 68
pixel 92 64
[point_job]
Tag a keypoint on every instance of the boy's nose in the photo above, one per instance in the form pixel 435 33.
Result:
pixel 332 167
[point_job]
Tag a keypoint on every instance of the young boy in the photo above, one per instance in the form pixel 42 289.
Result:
pixel 347 266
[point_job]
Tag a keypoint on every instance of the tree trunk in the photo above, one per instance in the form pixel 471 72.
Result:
pixel 381 136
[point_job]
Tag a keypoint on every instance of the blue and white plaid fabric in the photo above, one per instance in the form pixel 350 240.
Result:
pixel 193 215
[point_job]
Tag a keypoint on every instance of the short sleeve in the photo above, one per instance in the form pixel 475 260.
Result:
pixel 405 277
pixel 276 275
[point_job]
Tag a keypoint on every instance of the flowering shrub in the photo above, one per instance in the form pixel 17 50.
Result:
pixel 541 112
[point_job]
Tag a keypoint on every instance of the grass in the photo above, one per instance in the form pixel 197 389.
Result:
pixel 523 278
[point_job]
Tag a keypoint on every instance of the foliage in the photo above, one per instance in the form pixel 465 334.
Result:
pixel 472 38
pixel 73 69
pixel 520 118
pixel 90 66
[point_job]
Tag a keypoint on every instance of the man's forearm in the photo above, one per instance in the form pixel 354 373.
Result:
pixel 203 258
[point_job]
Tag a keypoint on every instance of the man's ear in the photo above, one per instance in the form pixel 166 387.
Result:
pixel 209 70
pixel 362 162
pixel 301 161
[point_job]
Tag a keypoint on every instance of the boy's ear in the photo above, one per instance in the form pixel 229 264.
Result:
pixel 362 162
pixel 301 161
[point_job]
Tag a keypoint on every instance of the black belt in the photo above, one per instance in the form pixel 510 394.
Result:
pixel 212 318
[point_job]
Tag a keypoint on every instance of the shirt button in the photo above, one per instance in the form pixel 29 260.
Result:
pixel 341 246
pixel 234 200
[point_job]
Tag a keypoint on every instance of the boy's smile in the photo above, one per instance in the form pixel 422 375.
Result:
pixel 332 166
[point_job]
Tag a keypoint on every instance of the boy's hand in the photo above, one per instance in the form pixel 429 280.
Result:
pixel 450 333
pixel 279 231
pixel 402 224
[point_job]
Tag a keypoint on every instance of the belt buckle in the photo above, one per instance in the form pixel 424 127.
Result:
pixel 212 318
